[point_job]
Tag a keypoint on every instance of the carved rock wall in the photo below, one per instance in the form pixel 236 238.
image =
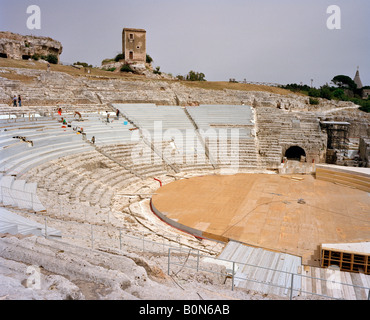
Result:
pixel 19 47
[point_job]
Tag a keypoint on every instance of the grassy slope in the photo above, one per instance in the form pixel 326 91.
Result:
pixel 94 73
pixel 221 85
pixel 101 74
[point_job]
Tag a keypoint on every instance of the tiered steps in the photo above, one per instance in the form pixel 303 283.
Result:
pixel 227 133
pixel 266 271
pixel 353 177
pixel 15 224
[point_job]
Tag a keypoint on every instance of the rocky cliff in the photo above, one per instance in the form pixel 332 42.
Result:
pixel 16 46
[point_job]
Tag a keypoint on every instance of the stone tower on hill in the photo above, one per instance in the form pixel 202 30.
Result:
pixel 134 45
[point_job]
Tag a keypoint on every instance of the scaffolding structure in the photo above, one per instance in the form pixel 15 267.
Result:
pixel 346 260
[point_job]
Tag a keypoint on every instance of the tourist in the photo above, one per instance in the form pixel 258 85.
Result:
pixel 78 114
pixel 93 140
pixel 107 116
pixel 60 111
pixel 117 114
pixel 15 101
pixel 19 101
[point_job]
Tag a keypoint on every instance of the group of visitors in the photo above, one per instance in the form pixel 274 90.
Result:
pixel 108 115
pixel 24 139
pixel 17 102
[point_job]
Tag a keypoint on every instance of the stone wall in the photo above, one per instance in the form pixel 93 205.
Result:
pixel 364 152
pixel 279 130
pixel 15 46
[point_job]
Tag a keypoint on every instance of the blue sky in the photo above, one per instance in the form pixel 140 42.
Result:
pixel 284 41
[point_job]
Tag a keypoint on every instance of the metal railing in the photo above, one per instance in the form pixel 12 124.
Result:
pixel 102 232
pixel 192 259
pixel 91 228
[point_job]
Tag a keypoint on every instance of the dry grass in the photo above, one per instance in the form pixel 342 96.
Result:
pixel 94 73
pixel 15 76
pixel 221 85
pixel 97 74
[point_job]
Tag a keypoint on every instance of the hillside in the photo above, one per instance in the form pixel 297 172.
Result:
pixel 71 85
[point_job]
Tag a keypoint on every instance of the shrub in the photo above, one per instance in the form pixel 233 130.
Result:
pixel 51 58
pixel 314 101
pixel 364 104
pixel 120 56
pixel 149 59
pixel 325 92
pixel 296 87
pixel 313 92
pixel 36 57
pixel 156 71
pixel 110 69
pixel 126 68
pixel 105 61
pixel 84 64
pixel 339 94
pixel 195 76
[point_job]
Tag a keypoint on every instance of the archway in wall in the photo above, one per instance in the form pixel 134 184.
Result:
pixel 3 55
pixel 295 153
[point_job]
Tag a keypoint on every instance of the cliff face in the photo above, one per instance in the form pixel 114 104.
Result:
pixel 19 47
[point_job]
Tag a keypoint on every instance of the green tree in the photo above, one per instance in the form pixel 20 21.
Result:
pixel 313 92
pixel 149 59
pixel 195 76
pixel 343 81
pixel 325 92
pixel 51 58
pixel 339 94
pixel 120 56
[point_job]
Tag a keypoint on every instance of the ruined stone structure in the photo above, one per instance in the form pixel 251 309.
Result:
pixel 338 139
pixel 134 45
pixel 364 151
pixel 15 46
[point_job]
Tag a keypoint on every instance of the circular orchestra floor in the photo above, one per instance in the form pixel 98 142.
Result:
pixel 291 214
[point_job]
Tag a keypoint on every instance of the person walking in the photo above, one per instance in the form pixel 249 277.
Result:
pixel 19 101
pixel 15 101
